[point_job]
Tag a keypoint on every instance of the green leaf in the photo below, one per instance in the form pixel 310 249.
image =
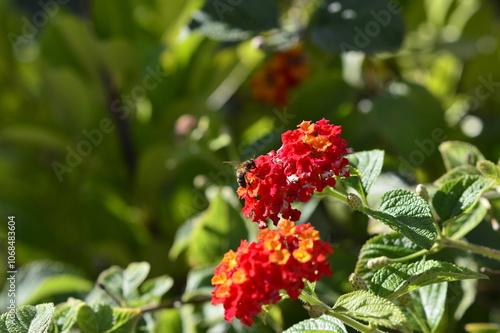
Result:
pixel 397 279
pixel 407 110
pixel 462 294
pixel 41 279
pixel 235 20
pixel 22 320
pixel 393 245
pixel 459 195
pixel 96 318
pixel 154 289
pixel 457 153
pixel 369 163
pixel 461 226
pixel 216 231
pixel 69 315
pixel 409 214
pixel 457 172
pixel 322 324
pixel 199 283
pixel 365 306
pixel 123 284
pixel 112 280
pixel 33 134
pixel 133 276
pixel 104 316
pixel 28 319
pixel 125 320
pixel 356 25
pixel 489 170
pixel 183 237
pixel 43 318
pixel 3 326
pixel 61 284
pixel 429 303
pixel 87 320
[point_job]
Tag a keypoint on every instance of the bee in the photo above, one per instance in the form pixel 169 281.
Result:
pixel 241 170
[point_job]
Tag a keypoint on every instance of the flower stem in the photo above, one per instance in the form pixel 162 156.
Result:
pixel 411 256
pixel 329 311
pixel 463 245
pixel 336 194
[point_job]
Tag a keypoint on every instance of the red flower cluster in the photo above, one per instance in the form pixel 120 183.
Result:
pixel 282 72
pixel 308 161
pixel 252 276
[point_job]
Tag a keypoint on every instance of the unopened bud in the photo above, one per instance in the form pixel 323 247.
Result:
pixel 354 201
pixel 378 263
pixel 422 192
pixel 316 311
pixel 357 282
pixel 405 300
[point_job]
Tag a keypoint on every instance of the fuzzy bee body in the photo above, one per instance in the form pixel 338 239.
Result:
pixel 241 170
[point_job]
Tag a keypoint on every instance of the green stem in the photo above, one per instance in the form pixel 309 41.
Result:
pixel 419 320
pixel 438 229
pixel 329 311
pixel 411 256
pixel 463 245
pixel 336 194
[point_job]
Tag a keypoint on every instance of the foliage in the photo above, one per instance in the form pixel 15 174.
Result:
pixel 117 115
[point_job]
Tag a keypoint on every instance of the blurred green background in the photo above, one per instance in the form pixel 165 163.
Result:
pixel 116 117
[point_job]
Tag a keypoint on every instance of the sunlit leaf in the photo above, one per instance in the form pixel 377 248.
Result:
pixel 41 279
pixel 430 303
pixel 393 245
pixel 365 306
pixel 457 153
pixel 409 214
pixel 457 172
pixel 397 279
pixel 323 324
pixel 28 319
pixel 459 195
pixel 489 170
pixel 458 228
pixel 134 275
pixel 369 164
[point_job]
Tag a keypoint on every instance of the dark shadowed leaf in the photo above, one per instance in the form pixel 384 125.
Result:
pixel 357 25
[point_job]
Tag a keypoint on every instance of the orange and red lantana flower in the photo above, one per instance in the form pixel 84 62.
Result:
pixel 252 276
pixel 309 160
pixel 283 71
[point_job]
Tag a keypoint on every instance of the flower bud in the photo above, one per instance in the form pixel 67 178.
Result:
pixel 357 282
pixel 422 192
pixel 316 311
pixel 354 201
pixel 378 263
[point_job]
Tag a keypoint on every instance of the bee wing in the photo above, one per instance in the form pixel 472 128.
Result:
pixel 236 164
